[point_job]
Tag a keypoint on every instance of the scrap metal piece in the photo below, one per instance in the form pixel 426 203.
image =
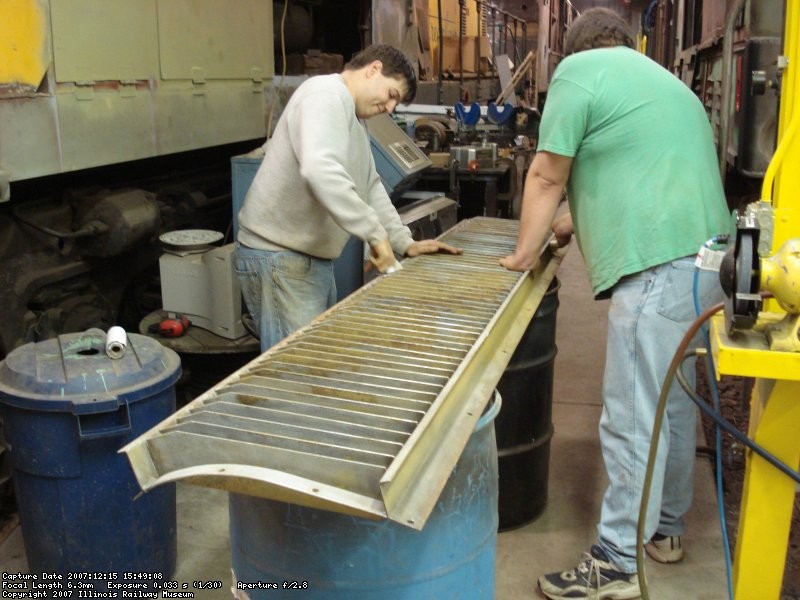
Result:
pixel 366 410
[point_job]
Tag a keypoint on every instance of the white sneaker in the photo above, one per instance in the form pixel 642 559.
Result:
pixel 594 578
pixel 665 548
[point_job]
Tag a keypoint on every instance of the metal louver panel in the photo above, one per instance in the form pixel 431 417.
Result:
pixel 366 410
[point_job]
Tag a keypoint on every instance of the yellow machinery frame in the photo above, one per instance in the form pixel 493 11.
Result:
pixel 768 495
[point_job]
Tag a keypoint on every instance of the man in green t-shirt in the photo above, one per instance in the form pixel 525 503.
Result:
pixel 633 148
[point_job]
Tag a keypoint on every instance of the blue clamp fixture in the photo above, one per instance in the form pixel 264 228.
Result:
pixel 468 117
pixel 499 117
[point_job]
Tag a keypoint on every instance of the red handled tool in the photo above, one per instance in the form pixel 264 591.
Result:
pixel 171 327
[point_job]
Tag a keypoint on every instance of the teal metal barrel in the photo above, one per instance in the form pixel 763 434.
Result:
pixel 312 553
pixel 524 426
pixel 67 408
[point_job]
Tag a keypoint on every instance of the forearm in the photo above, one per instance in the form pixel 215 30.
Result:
pixel 544 186
pixel 399 235
pixel 539 206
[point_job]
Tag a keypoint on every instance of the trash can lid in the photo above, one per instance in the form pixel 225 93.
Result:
pixel 74 373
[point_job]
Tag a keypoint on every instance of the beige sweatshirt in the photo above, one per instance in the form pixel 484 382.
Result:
pixel 317 184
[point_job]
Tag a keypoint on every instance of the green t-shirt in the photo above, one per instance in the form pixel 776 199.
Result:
pixel 644 188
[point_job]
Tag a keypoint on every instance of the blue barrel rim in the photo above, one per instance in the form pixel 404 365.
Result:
pixel 19 389
pixel 490 412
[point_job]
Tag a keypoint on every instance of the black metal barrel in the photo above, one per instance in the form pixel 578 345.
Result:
pixel 524 426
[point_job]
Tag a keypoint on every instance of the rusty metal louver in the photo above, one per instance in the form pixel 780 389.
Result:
pixel 366 410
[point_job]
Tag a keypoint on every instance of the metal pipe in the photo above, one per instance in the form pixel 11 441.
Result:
pixel 90 229
pixel 441 53
pixel 478 12
pixel 725 100
pixel 460 49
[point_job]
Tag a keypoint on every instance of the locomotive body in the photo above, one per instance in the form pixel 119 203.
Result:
pixel 728 53
pixel 111 117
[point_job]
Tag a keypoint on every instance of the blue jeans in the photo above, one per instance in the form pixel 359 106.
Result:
pixel 649 314
pixel 284 290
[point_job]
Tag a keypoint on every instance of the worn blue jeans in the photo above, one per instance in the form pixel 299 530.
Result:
pixel 649 314
pixel 284 290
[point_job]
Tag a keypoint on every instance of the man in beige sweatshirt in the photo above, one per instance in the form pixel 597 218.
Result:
pixel 317 186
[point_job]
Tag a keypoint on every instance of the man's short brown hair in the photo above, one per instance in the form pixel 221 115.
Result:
pixel 598 28
pixel 395 64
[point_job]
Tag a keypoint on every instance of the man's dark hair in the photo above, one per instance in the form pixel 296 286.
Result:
pixel 395 64
pixel 598 28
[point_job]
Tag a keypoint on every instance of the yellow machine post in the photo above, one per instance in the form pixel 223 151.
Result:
pixel 787 180
pixel 768 494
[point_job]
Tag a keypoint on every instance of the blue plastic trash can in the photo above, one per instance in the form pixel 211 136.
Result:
pixel 67 409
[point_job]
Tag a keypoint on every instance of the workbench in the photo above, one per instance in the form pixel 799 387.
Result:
pixel 485 192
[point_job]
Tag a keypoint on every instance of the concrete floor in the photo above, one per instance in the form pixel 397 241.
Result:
pixel 553 542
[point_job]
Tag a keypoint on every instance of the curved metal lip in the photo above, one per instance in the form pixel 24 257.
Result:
pixel 274 485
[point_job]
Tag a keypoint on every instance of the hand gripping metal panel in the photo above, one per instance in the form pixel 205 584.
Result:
pixel 366 410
